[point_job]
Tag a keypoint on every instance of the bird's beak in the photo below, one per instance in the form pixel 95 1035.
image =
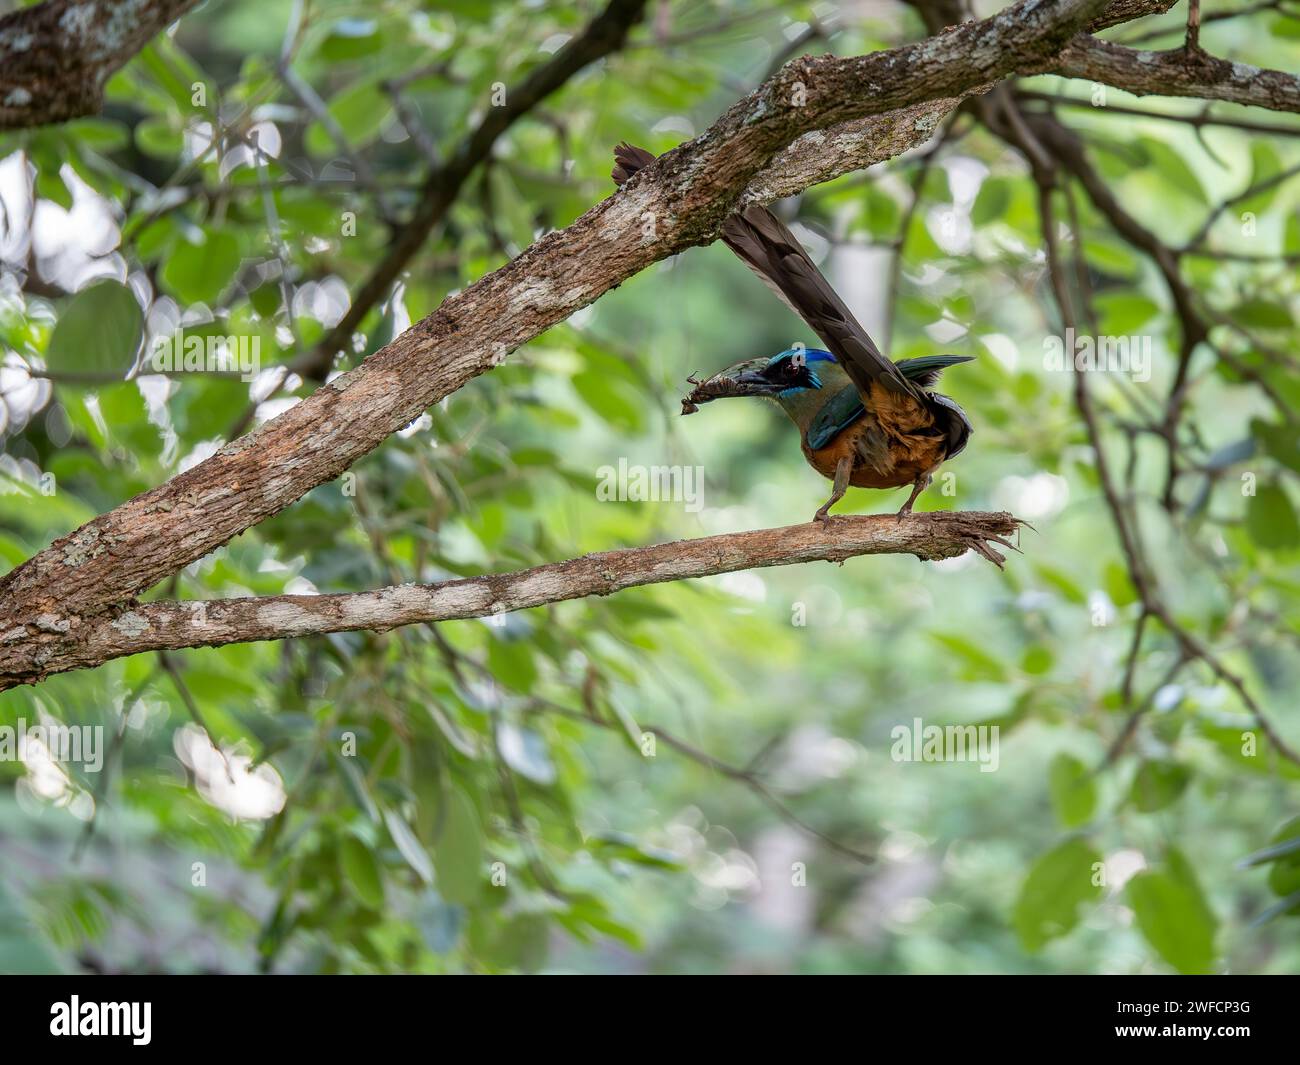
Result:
pixel 742 379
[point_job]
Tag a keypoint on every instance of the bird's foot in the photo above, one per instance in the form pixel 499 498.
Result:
pixel 917 489
pixel 824 516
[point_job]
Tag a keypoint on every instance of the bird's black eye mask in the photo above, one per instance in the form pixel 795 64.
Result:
pixel 791 371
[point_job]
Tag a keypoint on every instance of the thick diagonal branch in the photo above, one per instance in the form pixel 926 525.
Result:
pixel 26 657
pixel 55 57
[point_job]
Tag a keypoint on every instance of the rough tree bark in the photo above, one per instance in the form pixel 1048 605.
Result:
pixel 56 57
pixel 166 626
pixel 1178 72
pixel 815 119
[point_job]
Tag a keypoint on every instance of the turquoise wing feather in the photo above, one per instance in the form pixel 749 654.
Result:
pixel 839 412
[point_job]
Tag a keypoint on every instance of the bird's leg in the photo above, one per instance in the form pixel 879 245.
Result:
pixel 919 486
pixel 843 471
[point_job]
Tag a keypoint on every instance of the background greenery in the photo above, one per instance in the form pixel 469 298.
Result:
pixel 732 846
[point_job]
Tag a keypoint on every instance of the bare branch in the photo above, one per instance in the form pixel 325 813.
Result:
pixel 1179 73
pixel 30 653
pixel 824 154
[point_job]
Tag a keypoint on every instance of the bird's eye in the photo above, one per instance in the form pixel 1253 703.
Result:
pixel 786 373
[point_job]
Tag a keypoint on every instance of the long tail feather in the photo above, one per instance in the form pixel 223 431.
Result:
pixel 764 244
pixel 769 249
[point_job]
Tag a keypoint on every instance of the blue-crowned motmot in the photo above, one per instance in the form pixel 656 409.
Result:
pixel 863 420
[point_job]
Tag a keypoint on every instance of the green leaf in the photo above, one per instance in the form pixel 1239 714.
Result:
pixel 1265 164
pixel 159 137
pixel 521 943
pixel 524 751
pixel 1173 915
pixel 411 848
pixel 155 239
pixel 1237 451
pixel 633 732
pixel 1118 585
pixel 1285 26
pixel 361 872
pixel 1263 314
pixel 360 110
pixel 511 663
pixel 1157 784
pixel 880 213
pixel 99 134
pixel 458 852
pixel 98 331
pixel 351 38
pixel 980 665
pixel 1074 795
pixel 1271 519
pixel 612 399
pixel 22 947
pixel 1111 256
pixel 1059 884
pixel 992 201
pixel 355 781
pixel 50 186
pixel 1173 168
pixel 199 273
pixel 1037 659
pixel 1062 582
pixel 1284 877
pixel 588 912
pixel 1122 314
pixel 625 846
pixel 1280 441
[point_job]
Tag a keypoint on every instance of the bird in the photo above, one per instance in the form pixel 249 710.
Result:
pixel 864 421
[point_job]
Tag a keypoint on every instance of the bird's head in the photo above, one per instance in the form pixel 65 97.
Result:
pixel 786 377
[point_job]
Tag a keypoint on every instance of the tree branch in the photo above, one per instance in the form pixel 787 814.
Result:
pixel 1179 73
pixel 56 57
pixel 825 154
pixel 28 656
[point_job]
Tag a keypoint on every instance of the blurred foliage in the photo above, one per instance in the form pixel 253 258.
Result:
pixel 540 790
